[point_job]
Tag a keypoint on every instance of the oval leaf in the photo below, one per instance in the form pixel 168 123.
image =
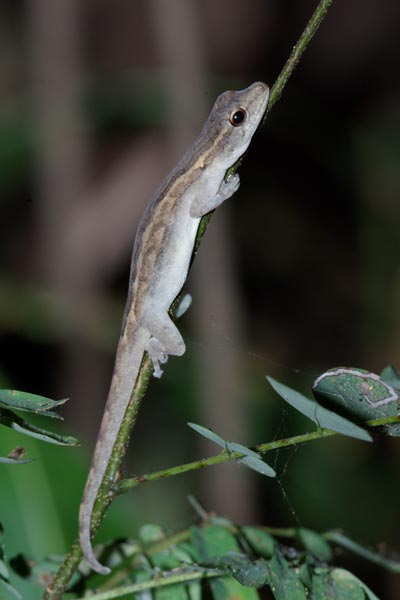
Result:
pixel 257 465
pixel 315 544
pixel 13 421
pixel 14 461
pixel 28 402
pixel 208 434
pixel 361 394
pixel 317 413
pixel 262 542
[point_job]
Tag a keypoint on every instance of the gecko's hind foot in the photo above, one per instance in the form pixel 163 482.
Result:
pixel 157 356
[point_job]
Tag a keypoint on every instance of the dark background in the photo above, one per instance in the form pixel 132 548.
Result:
pixel 298 271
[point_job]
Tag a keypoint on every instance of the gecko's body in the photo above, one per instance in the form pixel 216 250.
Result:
pixel 161 255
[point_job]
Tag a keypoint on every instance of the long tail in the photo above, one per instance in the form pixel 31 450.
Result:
pixel 127 364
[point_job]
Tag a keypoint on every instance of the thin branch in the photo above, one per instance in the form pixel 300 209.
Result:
pixel 223 457
pixel 297 52
pixel 162 581
pixel 105 497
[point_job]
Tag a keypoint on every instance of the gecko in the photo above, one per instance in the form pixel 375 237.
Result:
pixel 161 257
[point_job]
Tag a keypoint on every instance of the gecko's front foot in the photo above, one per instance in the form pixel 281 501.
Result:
pixel 230 186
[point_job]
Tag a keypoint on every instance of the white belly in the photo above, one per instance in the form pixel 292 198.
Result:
pixel 173 264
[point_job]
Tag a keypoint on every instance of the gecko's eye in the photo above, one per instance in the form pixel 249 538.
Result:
pixel 238 117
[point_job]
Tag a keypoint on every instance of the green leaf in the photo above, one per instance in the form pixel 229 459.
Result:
pixel 14 461
pixel 315 544
pixel 208 434
pixel 39 573
pixel 374 557
pixel 8 588
pixel 228 588
pixel 15 457
pixel 3 568
pixel 261 542
pixel 194 591
pixel 213 541
pixel 175 591
pixel 350 586
pixel 317 413
pixel 4 576
pixel 283 580
pixel 28 402
pixel 13 421
pixel 250 573
pixel 337 584
pixel 390 375
pixel 321 586
pixel 250 459
pixel 235 447
pixel 257 465
pixel 361 394
pixel 151 533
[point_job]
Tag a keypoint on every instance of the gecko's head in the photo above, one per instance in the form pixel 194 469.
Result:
pixel 236 115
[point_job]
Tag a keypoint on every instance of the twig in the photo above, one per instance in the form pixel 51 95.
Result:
pixel 297 52
pixel 127 484
pixel 167 579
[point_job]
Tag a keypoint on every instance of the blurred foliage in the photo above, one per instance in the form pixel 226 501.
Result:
pixel 294 563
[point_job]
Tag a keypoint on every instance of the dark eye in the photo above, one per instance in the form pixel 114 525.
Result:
pixel 238 117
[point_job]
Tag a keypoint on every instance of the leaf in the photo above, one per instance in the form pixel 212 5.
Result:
pixel 175 591
pixel 15 457
pixel 14 461
pixel 250 573
pixel 359 393
pixel 390 375
pixel 321 587
pixel 28 402
pixel 350 586
pixel 261 542
pixel 315 544
pixel 13 421
pixel 4 576
pixel 227 588
pixel 374 557
pixel 39 573
pixel 208 434
pixel 213 541
pixel 151 533
pixel 234 447
pixel 250 459
pixel 284 581
pixel 257 465
pixel 12 592
pixel 317 413
pixel 173 558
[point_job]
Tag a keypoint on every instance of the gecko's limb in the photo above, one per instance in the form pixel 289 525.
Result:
pixel 165 340
pixel 226 190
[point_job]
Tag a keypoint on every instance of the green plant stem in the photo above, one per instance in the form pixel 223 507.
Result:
pixel 106 495
pixel 72 559
pixel 223 457
pixel 128 484
pixel 185 577
pixel 297 52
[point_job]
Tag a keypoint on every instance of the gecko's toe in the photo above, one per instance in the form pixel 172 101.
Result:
pixel 157 372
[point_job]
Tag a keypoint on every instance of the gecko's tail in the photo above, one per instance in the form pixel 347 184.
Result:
pixel 85 515
pixel 128 362
pixel 109 428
